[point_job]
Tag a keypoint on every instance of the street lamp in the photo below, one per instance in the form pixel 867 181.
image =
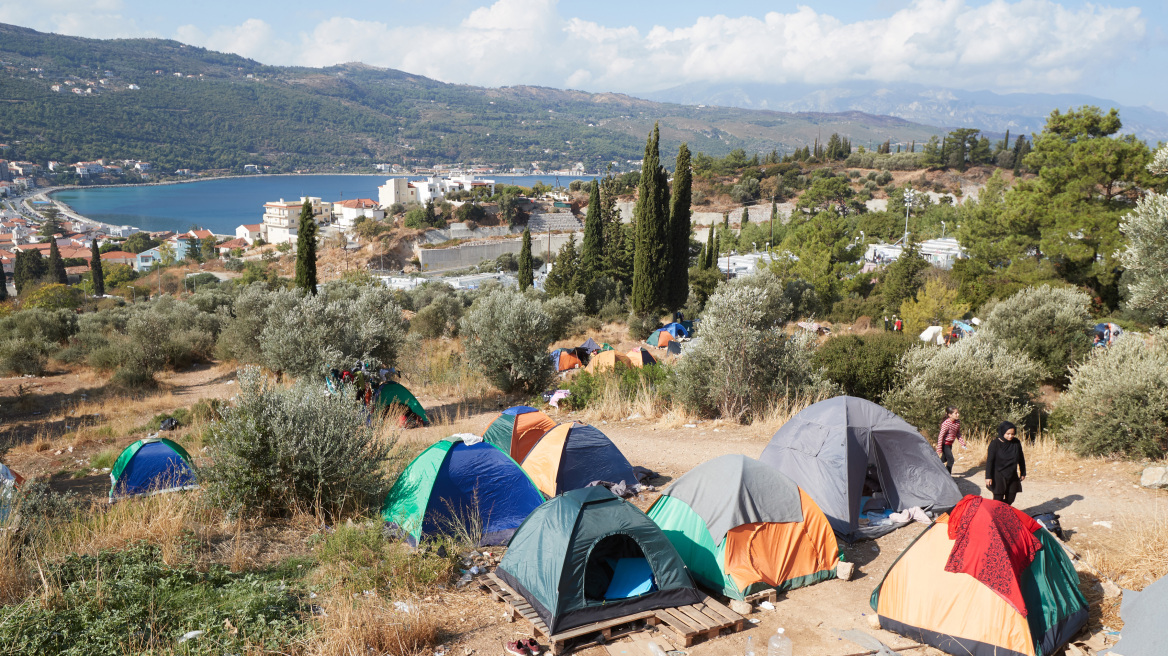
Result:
pixel 910 197
pixel 942 230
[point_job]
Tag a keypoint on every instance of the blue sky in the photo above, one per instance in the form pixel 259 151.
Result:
pixel 1110 50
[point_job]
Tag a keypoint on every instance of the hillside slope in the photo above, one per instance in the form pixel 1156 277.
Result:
pixel 201 109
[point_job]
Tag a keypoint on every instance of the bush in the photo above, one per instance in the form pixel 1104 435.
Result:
pixel 743 360
pixel 281 449
pixel 439 318
pixel 864 366
pixel 988 381
pixel 23 355
pixel 935 305
pixel 506 336
pixel 50 325
pixel 587 387
pixel 1052 325
pixel 1117 401
pixel 642 325
pixel 562 312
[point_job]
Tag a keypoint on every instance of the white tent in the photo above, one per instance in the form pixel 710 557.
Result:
pixel 933 334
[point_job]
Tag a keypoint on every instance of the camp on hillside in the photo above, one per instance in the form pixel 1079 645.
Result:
pixel 457 488
pixel 606 361
pixel 517 429
pixel 986 580
pixel 572 455
pixel 660 339
pixel 641 357
pixel 151 466
pixel 394 394
pixel 588 556
pixel 860 462
pixel 565 359
pixel 742 527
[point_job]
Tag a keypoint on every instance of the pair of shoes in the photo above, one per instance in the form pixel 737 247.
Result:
pixel 527 647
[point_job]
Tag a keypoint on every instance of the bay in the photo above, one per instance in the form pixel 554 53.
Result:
pixel 221 205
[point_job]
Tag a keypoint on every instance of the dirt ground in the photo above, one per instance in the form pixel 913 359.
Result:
pixel 1087 498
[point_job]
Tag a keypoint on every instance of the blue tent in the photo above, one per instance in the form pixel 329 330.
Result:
pixel 676 329
pixel 150 466
pixel 453 483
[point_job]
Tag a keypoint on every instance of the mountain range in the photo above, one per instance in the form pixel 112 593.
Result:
pixel 1021 113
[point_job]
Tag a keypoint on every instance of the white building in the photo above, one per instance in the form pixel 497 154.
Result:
pixel 281 220
pixel 401 190
pixel 941 253
pixel 397 190
pixel 348 211
pixel 250 232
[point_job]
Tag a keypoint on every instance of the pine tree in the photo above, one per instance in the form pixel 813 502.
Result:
pixel 95 268
pixel 564 278
pixel 652 254
pixel 526 278
pixel 56 265
pixel 306 250
pixel 680 229
pixel 592 250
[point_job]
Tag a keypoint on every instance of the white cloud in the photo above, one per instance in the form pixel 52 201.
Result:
pixel 254 38
pixel 97 19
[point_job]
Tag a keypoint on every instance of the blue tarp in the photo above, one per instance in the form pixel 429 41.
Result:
pixel 590 456
pixel 517 410
pixel 677 330
pixel 631 577
pixel 480 479
pixel 154 467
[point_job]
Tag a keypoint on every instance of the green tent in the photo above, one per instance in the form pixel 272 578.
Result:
pixel 151 466
pixel 393 393
pixel 587 556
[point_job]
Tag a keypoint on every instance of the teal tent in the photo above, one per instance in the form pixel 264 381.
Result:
pixel 391 394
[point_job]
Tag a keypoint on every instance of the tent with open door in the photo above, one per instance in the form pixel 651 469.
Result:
pixel 588 556
pixel 564 359
pixel 660 339
pixel 572 455
pixel 676 330
pixel 742 527
pixel 859 460
pixel 517 429
pixel 464 489
pixel 394 394
pixel 606 361
pixel 151 466
pixel 986 580
pixel 641 357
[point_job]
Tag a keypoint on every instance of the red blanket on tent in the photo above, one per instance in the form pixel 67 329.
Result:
pixel 994 544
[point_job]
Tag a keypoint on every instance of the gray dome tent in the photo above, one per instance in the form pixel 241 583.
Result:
pixel 572 554
pixel 833 448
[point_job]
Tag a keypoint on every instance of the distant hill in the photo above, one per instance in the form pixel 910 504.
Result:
pixel 1021 113
pixel 200 109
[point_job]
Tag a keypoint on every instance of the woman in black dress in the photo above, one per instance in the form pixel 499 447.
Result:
pixel 1005 464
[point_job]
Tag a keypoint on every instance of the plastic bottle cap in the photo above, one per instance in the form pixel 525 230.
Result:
pixel 781 630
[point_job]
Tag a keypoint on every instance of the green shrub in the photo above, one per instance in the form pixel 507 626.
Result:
pixel 986 380
pixel 284 448
pixel 561 312
pixel 358 558
pixel 105 458
pixel 506 336
pixel 1052 325
pixel 439 318
pixel 23 355
pixel 1117 401
pixel 642 325
pixel 864 366
pixel 54 326
pixel 587 387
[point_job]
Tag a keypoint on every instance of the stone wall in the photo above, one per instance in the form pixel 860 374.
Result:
pixel 469 255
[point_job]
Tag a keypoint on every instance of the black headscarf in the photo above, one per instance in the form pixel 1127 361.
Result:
pixel 1005 426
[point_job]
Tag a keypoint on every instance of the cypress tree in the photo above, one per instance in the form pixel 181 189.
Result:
pixel 56 265
pixel 653 247
pixel 4 283
pixel 28 269
pixel 711 250
pixel 680 230
pixel 95 268
pixel 592 250
pixel 526 277
pixel 745 217
pixel 306 250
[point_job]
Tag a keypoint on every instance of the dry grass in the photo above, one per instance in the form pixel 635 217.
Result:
pixel 611 404
pixel 1136 551
pixel 14 580
pixel 1045 457
pixel 372 625
pixel 441 370
pixel 781 410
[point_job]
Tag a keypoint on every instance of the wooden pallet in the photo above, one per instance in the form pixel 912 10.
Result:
pixel 771 595
pixel 706 619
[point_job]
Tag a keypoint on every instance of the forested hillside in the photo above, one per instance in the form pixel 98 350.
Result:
pixel 201 109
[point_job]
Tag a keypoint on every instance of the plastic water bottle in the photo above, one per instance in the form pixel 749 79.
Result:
pixel 779 644
pixel 750 646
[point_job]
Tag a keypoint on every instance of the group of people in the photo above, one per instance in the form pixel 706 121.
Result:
pixel 1005 463
pixel 364 378
pixel 896 325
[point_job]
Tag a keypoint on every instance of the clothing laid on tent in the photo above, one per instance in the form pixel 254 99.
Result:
pixel 986 580
pixel 151 466
pixel 742 527
pixel 853 458
pixel 590 346
pixel 517 429
pixel 1145 614
pixel 573 455
pixel 453 486
pixel 588 556
pixel 606 361
pixel 395 394
pixel 565 359
pixel 660 339
pixel 641 357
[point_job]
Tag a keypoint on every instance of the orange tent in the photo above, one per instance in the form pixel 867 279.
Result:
pixel 517 429
pixel 607 360
pixel 563 359
pixel 641 357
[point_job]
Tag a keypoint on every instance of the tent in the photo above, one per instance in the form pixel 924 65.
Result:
pixel 676 330
pixel 151 466
pixel 933 334
pixel 564 359
pixel 453 486
pixel 606 347
pixel 673 348
pixel 589 556
pixel 963 329
pixel 9 480
pixel 572 455
pixel 742 527
pixel 607 360
pixel 641 357
pixel 1107 333
pixel 854 457
pixel 516 429
pixel 987 580
pixel 590 345
pixel 393 393
pixel 660 339
pixel 1144 614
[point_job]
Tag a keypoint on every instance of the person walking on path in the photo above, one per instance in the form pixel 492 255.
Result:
pixel 950 432
pixel 1005 464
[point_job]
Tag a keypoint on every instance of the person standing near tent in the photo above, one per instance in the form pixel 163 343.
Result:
pixel 1005 464
pixel 950 432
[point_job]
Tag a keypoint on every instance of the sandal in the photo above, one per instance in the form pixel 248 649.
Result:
pixel 516 648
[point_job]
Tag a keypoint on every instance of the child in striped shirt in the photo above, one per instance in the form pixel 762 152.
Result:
pixel 950 432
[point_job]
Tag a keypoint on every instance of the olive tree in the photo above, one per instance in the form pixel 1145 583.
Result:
pixel 506 335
